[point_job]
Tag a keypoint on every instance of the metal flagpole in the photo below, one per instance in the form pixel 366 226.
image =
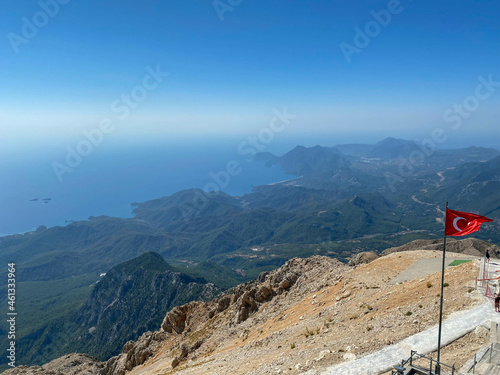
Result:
pixel 438 366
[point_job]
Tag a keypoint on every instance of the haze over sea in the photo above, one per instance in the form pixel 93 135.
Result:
pixel 111 178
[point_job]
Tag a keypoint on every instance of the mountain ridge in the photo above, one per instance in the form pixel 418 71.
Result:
pixel 116 310
pixel 309 313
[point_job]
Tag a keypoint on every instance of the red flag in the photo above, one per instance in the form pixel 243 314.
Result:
pixel 462 223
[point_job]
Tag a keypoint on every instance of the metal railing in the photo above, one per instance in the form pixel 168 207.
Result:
pixel 434 366
pixel 488 355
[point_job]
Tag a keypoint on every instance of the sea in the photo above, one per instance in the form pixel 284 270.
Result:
pixel 40 187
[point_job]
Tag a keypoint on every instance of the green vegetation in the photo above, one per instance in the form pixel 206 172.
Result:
pixel 43 303
pixel 129 300
pixel 458 262
pixel 223 277
pixel 311 333
pixel 40 302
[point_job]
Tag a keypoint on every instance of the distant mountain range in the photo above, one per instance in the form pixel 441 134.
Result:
pixel 339 201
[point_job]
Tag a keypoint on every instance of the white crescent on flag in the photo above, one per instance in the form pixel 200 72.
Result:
pixel 472 222
pixel 455 223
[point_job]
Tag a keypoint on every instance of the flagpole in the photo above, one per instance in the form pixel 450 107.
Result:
pixel 438 366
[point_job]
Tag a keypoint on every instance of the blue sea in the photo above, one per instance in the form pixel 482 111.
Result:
pixel 111 177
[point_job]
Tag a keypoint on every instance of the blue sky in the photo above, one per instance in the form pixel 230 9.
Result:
pixel 226 76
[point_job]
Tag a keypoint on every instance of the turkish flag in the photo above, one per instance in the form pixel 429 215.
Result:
pixel 462 223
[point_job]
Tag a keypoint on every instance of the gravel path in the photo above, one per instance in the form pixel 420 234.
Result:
pixel 424 267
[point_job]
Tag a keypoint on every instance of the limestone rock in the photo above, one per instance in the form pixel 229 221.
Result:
pixel 135 353
pixel 349 356
pixel 175 320
pixel 363 258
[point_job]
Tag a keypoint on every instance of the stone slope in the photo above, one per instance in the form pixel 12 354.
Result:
pixel 338 314
pixel 199 327
pixel 309 314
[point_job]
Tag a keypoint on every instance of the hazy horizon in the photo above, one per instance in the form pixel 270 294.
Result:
pixel 190 69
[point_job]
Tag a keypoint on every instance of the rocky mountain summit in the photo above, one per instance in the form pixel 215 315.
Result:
pixel 187 328
pixel 305 316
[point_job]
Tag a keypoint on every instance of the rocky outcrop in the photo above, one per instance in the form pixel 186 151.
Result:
pixel 197 319
pixel 363 258
pixel 244 301
pixel 71 364
pixel 135 353
pixel 185 350
pixel 175 320
pixel 223 303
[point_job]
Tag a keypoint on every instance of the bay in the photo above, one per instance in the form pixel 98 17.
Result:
pixel 108 180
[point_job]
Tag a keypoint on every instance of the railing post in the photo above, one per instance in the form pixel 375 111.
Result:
pixel 491 351
pixel 474 365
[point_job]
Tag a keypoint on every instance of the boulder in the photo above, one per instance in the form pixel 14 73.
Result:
pixel 263 294
pixel 175 320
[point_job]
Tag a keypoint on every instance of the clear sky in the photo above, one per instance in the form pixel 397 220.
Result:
pixel 193 68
